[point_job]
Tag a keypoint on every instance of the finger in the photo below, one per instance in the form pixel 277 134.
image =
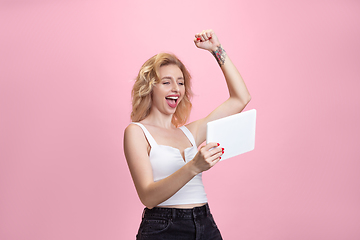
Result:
pixel 211 33
pixel 213 152
pixel 210 159
pixel 216 151
pixel 204 35
pixel 214 161
pixel 202 38
pixel 198 38
pixel 208 34
pixel 211 145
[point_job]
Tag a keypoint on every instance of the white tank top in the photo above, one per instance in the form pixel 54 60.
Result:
pixel 166 160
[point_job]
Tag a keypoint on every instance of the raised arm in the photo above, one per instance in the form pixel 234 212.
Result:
pixel 239 96
pixel 151 194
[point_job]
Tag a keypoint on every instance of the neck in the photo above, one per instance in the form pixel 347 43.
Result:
pixel 156 118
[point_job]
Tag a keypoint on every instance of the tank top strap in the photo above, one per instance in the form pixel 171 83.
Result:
pixel 188 135
pixel 150 138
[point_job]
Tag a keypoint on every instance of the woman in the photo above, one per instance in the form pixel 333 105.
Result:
pixel 163 158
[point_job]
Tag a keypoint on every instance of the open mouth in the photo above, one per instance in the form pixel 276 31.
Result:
pixel 172 101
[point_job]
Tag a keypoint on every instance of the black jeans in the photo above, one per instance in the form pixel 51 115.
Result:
pixel 178 224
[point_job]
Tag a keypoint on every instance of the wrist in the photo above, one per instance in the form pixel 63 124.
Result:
pixel 192 168
pixel 214 48
pixel 220 55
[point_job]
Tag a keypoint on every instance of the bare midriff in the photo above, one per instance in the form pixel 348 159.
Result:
pixel 184 206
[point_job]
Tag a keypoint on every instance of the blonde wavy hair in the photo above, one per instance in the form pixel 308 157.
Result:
pixel 147 78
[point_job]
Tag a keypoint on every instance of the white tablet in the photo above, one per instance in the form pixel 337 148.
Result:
pixel 235 133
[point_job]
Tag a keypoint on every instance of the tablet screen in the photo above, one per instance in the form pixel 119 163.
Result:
pixel 235 133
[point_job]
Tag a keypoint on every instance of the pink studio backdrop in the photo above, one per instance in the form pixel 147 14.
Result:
pixel 66 71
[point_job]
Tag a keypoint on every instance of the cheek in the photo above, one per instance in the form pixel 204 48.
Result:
pixel 155 97
pixel 157 92
pixel 182 92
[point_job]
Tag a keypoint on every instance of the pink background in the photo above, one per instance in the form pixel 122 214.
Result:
pixel 66 71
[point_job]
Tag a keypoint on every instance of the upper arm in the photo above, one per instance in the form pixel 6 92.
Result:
pixel 229 107
pixel 136 153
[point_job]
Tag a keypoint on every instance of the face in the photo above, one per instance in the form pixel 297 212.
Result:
pixel 170 89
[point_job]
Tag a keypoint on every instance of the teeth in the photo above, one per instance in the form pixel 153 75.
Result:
pixel 173 98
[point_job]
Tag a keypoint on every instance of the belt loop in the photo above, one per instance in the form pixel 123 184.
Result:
pixel 173 213
pixel 207 209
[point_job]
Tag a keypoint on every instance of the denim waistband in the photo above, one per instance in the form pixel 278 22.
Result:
pixel 177 212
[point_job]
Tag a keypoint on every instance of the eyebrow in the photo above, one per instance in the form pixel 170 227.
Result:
pixel 167 77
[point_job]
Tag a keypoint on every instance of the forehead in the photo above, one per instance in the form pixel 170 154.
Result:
pixel 171 71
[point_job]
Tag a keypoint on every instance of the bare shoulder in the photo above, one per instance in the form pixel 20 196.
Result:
pixel 134 139
pixel 132 129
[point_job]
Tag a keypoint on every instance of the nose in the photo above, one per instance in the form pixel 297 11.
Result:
pixel 175 87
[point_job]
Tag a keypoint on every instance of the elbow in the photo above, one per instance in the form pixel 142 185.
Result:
pixel 148 197
pixel 244 101
pixel 241 103
pixel 149 205
pixel 248 99
pixel 147 202
pixel 238 104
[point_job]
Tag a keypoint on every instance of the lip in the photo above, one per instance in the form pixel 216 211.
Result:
pixel 172 103
pixel 173 95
